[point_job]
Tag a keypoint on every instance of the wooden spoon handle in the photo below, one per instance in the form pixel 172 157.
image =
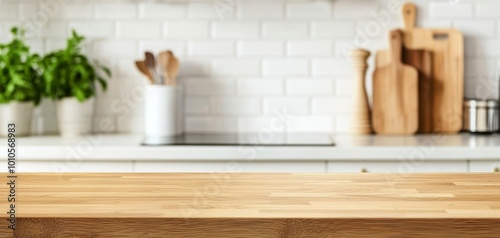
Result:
pixel 141 65
pixel 409 15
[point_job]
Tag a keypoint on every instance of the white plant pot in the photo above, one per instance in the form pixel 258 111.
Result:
pixel 74 117
pixel 20 113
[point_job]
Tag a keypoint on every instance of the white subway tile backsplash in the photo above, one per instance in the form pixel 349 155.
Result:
pixel 77 11
pixel 259 125
pixel 233 67
pixel 28 11
pixel 235 106
pixel 130 125
pixel 138 29
pixel 162 10
pixel 333 29
pixel 331 67
pixel 344 87
pixel 486 48
pixel 204 10
pixel 56 29
pixel 211 48
pixel 208 87
pixel 313 10
pixel 261 48
pixel 260 87
pixel 261 10
pixel 104 125
pixel 445 9
pixel 195 67
pixel 54 44
pixel 342 124
pixel 126 68
pixel 292 105
pixel 310 87
pixel 487 9
pixel 116 11
pixel 310 48
pixel 198 105
pixel 286 67
pixel 36 46
pixel 236 30
pixel 476 28
pixel 331 106
pixel 357 9
pixel 211 125
pixel 310 124
pixel 9 11
pixel 94 29
pixel 242 61
pixel 107 48
pixel 479 67
pixel 186 29
pixel 285 29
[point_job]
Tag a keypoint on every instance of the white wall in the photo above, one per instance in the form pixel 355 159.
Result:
pixel 243 59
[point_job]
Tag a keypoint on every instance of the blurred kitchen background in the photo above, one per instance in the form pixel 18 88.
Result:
pixel 244 61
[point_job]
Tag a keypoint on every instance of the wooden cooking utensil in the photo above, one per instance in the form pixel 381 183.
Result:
pixel 447 48
pixel 395 93
pixel 173 70
pixel 361 123
pixel 164 59
pixel 151 64
pixel 141 65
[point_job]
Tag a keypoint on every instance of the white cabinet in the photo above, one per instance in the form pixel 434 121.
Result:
pixel 396 166
pixel 484 166
pixel 231 166
pixel 72 167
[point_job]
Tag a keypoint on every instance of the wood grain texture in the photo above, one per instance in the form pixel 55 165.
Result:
pixel 395 92
pixel 421 60
pixel 361 115
pixel 280 196
pixel 188 205
pixel 258 228
pixel 447 48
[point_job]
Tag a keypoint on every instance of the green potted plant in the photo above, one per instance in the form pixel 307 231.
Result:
pixel 71 79
pixel 20 84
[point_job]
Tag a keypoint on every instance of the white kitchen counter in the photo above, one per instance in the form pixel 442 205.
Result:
pixel 124 153
pixel 128 147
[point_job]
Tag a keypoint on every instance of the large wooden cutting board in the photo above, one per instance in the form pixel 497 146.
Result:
pixel 447 48
pixel 395 93
pixel 422 61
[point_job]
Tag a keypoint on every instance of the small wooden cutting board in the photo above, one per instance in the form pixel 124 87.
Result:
pixel 395 92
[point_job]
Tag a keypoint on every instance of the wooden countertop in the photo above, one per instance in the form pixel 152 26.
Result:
pixel 175 195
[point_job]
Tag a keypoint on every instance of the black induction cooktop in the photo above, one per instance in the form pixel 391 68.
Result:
pixel 242 139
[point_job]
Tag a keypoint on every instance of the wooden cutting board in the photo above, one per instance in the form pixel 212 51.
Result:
pixel 421 60
pixel 447 49
pixel 395 92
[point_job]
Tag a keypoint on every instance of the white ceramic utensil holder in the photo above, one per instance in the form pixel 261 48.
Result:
pixel 163 111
